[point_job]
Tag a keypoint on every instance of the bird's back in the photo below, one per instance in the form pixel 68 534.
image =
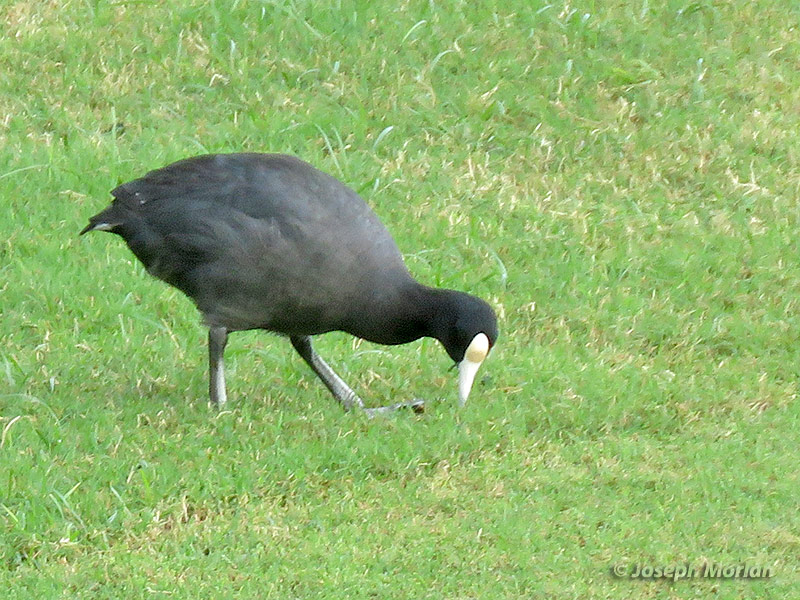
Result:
pixel 256 240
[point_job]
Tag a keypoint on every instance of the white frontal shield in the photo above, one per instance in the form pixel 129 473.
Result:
pixel 468 367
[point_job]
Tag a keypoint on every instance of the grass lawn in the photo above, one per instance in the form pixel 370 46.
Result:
pixel 620 180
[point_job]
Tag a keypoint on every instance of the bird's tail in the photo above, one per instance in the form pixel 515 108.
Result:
pixel 107 220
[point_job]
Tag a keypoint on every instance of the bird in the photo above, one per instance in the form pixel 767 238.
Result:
pixel 269 242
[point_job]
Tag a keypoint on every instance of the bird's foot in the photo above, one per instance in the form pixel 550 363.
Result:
pixel 418 406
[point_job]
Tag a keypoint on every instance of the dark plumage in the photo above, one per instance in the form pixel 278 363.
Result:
pixel 266 241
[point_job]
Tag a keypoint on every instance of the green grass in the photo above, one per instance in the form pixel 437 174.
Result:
pixel 620 180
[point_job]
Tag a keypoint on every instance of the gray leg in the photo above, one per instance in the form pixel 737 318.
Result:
pixel 217 338
pixel 340 390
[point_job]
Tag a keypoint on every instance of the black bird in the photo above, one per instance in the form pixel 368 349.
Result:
pixel 266 241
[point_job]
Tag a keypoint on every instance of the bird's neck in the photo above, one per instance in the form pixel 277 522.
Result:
pixel 407 313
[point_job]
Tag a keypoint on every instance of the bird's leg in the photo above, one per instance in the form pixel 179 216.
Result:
pixel 340 390
pixel 217 338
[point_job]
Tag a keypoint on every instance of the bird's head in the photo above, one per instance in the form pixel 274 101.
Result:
pixel 468 331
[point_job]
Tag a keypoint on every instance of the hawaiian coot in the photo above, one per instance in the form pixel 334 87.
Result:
pixel 266 241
